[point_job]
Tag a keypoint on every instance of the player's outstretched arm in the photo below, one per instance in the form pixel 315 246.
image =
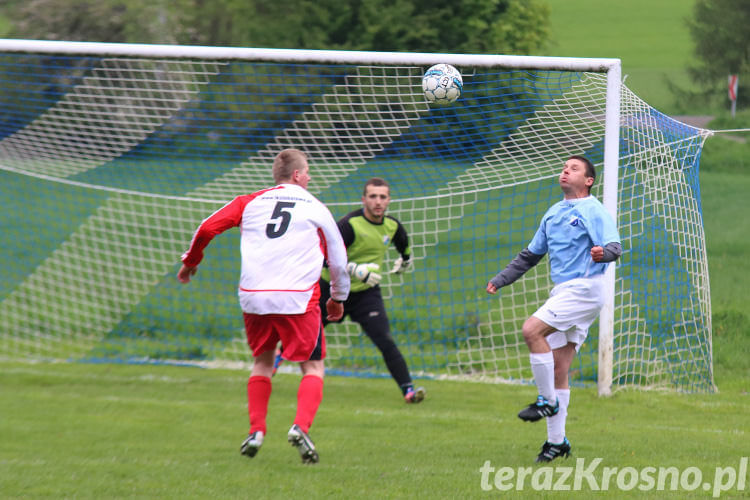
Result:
pixel 230 215
pixel 186 272
pixel 524 261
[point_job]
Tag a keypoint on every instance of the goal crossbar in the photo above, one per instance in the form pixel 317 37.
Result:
pixel 597 65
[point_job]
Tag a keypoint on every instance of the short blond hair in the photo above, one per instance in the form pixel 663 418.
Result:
pixel 286 162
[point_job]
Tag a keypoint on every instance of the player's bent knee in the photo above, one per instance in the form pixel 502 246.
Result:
pixel 530 330
pixel 313 367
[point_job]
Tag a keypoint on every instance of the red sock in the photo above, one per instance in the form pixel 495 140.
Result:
pixel 309 396
pixel 258 394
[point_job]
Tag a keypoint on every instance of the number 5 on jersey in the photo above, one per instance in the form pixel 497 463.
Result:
pixel 280 219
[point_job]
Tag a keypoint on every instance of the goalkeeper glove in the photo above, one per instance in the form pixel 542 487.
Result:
pixel 401 265
pixel 365 273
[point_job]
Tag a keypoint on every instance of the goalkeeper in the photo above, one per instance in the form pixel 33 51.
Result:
pixel 581 239
pixel 367 233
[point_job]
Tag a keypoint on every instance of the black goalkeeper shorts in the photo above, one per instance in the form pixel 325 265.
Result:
pixel 365 307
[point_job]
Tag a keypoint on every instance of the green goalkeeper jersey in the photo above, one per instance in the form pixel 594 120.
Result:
pixel 367 242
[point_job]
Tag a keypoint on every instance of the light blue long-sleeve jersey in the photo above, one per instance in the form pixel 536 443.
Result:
pixel 568 231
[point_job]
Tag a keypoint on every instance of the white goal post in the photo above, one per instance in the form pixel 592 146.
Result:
pixel 126 147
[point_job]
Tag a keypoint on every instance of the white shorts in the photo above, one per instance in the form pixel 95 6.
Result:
pixel 571 308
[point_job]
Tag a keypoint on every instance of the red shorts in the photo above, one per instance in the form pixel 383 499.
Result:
pixel 301 335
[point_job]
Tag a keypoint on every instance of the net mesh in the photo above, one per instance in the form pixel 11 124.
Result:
pixel 108 164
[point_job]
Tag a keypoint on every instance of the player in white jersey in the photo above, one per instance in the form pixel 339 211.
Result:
pixel 286 234
pixel 581 239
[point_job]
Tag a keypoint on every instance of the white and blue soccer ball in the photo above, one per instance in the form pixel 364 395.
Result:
pixel 442 84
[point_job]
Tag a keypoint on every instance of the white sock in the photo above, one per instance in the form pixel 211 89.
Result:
pixel 543 368
pixel 556 423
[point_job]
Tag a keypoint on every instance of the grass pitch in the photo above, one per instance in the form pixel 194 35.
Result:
pixel 114 431
pixel 651 38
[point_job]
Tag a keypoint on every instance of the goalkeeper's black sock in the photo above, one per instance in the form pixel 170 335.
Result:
pixel 406 388
pixel 396 365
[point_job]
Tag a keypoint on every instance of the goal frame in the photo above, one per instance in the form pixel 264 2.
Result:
pixel 610 66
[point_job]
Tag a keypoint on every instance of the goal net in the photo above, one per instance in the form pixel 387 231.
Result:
pixel 111 155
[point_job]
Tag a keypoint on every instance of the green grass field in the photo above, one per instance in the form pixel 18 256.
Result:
pixel 650 38
pixel 103 431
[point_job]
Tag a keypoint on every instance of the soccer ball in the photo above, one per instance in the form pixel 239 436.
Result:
pixel 442 84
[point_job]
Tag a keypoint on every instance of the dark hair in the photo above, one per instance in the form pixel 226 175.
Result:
pixel 376 181
pixel 590 170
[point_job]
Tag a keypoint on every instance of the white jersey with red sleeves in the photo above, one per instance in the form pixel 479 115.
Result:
pixel 285 235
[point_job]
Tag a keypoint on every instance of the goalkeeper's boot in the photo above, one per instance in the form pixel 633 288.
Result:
pixel 415 395
pixel 277 362
pixel 539 409
pixel 300 440
pixel 252 444
pixel 552 451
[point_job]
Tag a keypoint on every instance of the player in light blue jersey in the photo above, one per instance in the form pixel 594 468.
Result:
pixel 581 239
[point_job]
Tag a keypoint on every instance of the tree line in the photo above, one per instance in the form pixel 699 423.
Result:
pixel 468 26
pixel 718 28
